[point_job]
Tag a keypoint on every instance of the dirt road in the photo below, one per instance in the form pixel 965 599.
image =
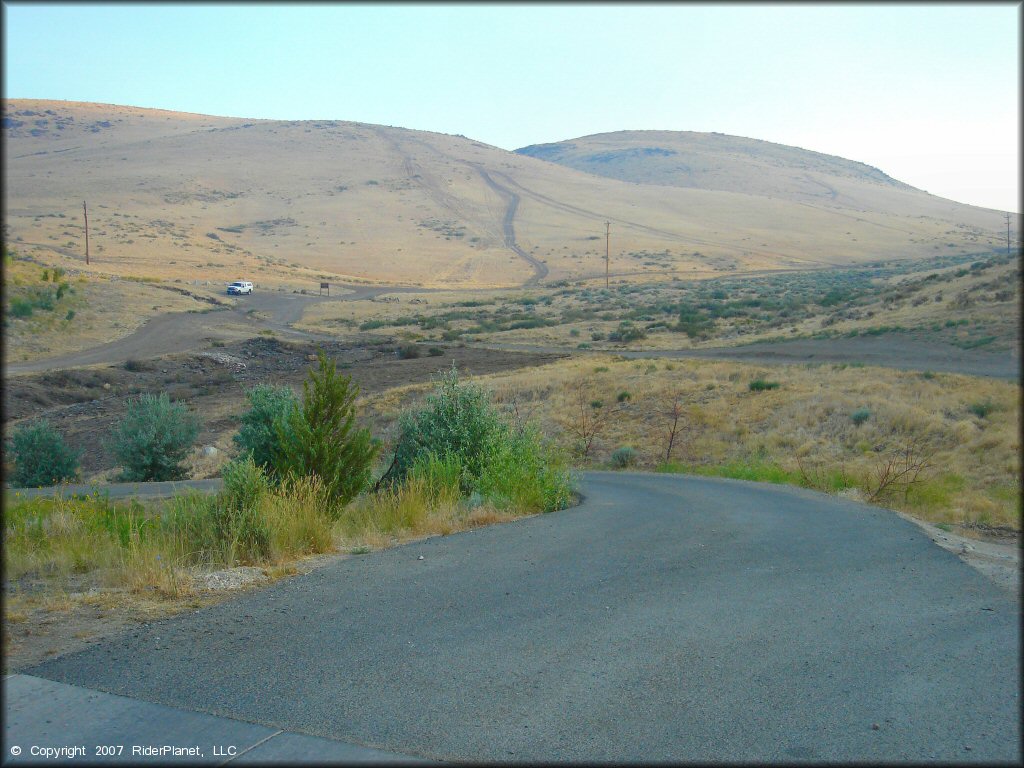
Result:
pixel 895 350
pixel 185 331
pixel 508 226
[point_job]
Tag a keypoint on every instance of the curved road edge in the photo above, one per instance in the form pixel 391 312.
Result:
pixel 997 561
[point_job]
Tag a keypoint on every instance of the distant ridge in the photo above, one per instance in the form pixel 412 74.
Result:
pixel 185 196
pixel 711 161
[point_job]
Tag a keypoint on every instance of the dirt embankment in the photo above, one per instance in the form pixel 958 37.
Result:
pixel 84 404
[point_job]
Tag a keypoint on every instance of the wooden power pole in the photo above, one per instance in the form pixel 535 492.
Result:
pixel 607 252
pixel 85 214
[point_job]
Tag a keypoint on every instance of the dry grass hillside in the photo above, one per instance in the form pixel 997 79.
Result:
pixel 185 196
pixel 715 161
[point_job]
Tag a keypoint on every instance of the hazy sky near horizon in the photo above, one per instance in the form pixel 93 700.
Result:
pixel 930 94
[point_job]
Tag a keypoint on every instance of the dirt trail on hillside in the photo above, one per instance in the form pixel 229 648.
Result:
pixel 508 226
pixel 440 195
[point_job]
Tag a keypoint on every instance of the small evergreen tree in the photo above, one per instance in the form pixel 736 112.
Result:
pixel 154 438
pixel 41 457
pixel 320 437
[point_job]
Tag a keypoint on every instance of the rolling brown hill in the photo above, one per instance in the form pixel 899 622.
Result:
pixel 196 197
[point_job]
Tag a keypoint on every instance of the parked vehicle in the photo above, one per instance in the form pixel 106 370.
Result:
pixel 239 287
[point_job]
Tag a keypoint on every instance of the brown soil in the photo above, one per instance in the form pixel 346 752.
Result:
pixel 84 404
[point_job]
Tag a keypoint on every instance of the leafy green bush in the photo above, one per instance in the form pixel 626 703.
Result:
pixel 627 332
pixel 461 436
pixel 981 409
pixel 320 437
pixel 435 351
pixel 20 307
pixel 407 352
pixel 239 524
pixel 458 421
pixel 525 472
pixel 153 438
pixel 860 416
pixel 258 436
pixel 41 457
pixel 440 476
pixel 623 396
pixel 623 457
pixel 760 385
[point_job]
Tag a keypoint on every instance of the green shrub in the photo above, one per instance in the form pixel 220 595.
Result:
pixel 623 457
pixel 321 438
pixel 623 396
pixel 440 476
pixel 981 409
pixel 860 416
pixel 627 332
pixel 20 307
pixel 760 385
pixel 574 332
pixel 70 315
pixel 458 421
pixel 435 351
pixel 41 457
pixel 237 519
pixel 597 336
pixel 524 472
pixel 407 352
pixel 258 436
pixel 153 438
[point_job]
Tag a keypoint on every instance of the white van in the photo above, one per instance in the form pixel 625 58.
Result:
pixel 239 287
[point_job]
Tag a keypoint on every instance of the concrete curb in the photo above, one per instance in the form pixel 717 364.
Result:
pixel 95 727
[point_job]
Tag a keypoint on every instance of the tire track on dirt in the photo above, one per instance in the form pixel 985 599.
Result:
pixel 416 173
pixel 675 236
pixel 508 226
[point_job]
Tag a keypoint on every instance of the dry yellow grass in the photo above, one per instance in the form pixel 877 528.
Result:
pixel 105 309
pixel 974 461
pixel 177 194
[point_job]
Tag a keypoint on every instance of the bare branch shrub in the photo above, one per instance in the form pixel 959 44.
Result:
pixel 900 470
pixel 591 417
pixel 673 415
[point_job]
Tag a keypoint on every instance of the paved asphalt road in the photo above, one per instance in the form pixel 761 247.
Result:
pixel 666 618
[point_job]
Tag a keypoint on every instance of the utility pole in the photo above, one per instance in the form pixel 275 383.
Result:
pixel 85 213
pixel 607 251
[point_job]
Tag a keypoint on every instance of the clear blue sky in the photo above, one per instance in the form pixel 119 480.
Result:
pixel 928 93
